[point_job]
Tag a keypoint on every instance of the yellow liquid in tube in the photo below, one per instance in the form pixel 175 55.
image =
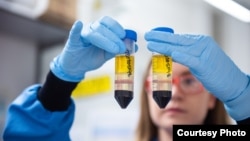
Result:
pixel 124 72
pixel 162 79
pixel 162 73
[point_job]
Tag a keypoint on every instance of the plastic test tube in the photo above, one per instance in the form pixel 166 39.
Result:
pixel 124 71
pixel 162 75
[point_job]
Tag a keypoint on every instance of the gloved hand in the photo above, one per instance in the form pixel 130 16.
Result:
pixel 209 64
pixel 88 47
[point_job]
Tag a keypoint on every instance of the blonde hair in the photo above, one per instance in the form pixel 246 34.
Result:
pixel 146 130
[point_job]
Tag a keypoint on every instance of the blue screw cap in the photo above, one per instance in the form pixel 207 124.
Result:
pixel 167 29
pixel 131 34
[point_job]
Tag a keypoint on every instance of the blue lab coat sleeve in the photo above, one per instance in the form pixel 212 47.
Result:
pixel 41 113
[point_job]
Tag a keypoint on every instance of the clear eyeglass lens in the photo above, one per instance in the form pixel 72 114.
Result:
pixel 190 84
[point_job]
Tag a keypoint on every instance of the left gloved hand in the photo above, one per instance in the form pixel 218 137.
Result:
pixel 88 47
pixel 209 64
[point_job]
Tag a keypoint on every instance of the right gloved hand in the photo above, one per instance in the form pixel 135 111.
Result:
pixel 88 47
pixel 209 64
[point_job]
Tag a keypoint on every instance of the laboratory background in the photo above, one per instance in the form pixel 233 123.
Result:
pixel 32 32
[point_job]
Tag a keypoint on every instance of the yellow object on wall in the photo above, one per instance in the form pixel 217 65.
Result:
pixel 93 86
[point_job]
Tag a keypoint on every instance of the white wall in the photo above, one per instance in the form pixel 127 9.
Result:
pixel 234 37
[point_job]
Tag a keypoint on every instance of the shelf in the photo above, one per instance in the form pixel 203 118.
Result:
pixel 42 33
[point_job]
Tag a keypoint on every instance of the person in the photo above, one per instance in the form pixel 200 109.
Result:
pixel 46 112
pixel 210 65
pixel 191 104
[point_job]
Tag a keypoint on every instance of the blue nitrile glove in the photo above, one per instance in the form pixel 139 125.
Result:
pixel 88 47
pixel 208 63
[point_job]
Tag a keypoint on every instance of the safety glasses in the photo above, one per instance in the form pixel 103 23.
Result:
pixel 187 84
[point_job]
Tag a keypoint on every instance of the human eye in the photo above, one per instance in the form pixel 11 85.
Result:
pixel 189 81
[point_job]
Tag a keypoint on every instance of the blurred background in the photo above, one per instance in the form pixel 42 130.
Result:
pixel 32 32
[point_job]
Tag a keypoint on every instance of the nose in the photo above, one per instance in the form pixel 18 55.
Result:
pixel 177 93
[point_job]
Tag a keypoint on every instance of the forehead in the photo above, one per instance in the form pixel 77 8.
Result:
pixel 179 69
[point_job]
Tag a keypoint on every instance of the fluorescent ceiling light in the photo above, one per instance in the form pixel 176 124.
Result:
pixel 232 8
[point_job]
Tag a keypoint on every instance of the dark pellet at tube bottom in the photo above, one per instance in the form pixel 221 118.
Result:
pixel 123 97
pixel 162 98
